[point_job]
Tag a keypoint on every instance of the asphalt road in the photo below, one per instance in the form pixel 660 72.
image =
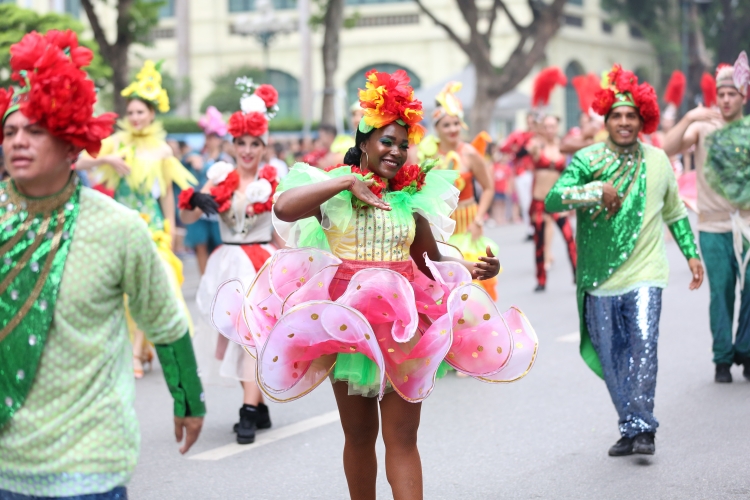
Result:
pixel 545 436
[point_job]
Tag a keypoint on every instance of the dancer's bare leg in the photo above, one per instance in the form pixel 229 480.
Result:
pixel 359 419
pixel 201 255
pixel 402 463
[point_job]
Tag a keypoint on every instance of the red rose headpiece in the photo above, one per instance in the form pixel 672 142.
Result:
pixel 257 107
pixel 56 93
pixel 623 90
pixel 389 98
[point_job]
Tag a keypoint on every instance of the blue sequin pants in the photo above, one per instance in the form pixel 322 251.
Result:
pixel 119 493
pixel 624 330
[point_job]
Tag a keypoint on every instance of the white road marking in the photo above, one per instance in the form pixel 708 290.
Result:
pixel 571 337
pixel 272 436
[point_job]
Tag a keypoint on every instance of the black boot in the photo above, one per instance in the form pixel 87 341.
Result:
pixel 643 444
pixel 744 360
pixel 723 375
pixel 622 448
pixel 264 418
pixel 246 427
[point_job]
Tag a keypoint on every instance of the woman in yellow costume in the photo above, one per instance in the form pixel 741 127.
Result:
pixel 448 121
pixel 138 165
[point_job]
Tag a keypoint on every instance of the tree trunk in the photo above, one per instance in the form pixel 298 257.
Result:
pixel 484 103
pixel 120 80
pixel 333 21
pixel 698 60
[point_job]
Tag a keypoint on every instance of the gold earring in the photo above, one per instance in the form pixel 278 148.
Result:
pixel 367 159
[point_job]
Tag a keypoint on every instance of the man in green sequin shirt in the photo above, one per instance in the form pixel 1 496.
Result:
pixel 68 255
pixel 624 191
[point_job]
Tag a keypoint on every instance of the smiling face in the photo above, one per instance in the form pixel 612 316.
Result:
pixel 386 150
pixel 624 123
pixel 730 103
pixel 449 129
pixel 37 161
pixel 248 151
pixel 139 114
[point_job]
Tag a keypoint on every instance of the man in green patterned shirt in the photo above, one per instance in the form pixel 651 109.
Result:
pixel 624 192
pixel 68 255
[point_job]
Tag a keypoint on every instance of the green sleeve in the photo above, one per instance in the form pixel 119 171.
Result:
pixel 181 373
pixel 574 189
pixel 683 235
pixel 151 296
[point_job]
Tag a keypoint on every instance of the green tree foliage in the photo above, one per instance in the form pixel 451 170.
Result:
pixel 225 96
pixel 15 22
pixel 726 26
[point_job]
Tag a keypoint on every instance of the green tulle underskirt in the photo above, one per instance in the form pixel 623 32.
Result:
pixel 363 376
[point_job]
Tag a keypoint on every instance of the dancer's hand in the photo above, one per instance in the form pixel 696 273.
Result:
pixel 118 163
pixel 489 267
pixel 190 427
pixel 696 267
pixel 703 114
pixel 611 199
pixel 361 190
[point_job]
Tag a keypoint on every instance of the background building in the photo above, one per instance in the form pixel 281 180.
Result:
pixel 389 34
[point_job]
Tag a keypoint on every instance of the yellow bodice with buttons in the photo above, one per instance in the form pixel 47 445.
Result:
pixel 373 235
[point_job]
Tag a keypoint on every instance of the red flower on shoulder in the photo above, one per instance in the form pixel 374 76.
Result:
pixel 410 177
pixel 268 173
pixel 224 191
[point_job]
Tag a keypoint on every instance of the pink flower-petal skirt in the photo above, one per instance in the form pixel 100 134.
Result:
pixel 297 316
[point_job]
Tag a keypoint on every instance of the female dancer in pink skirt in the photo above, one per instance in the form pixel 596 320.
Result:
pixel 366 298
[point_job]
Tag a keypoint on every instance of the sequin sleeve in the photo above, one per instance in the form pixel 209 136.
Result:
pixel 575 188
pixel 683 235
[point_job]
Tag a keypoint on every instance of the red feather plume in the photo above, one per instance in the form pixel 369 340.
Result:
pixel 708 87
pixel 586 87
pixel 544 83
pixel 675 90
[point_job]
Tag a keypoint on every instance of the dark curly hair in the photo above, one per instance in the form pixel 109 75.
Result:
pixel 354 155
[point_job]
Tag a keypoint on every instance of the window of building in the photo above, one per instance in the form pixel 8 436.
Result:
pixel 641 73
pixel 635 32
pixel 167 9
pixel 575 21
pixel 572 108
pixel 248 5
pixel 288 88
pixel 607 27
pixel 357 80
pixel 73 8
pixel 575 2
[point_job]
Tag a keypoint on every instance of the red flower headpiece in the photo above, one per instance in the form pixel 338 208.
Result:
pixel 56 94
pixel 624 90
pixel 389 98
pixel 257 106
pixel 544 83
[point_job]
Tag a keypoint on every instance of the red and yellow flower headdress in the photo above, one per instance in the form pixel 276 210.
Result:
pixel 623 90
pixel 389 98
pixel 56 93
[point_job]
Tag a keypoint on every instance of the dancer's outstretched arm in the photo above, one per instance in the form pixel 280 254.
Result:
pixel 305 201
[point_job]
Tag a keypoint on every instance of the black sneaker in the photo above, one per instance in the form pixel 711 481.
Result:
pixel 264 419
pixel 246 427
pixel 723 375
pixel 540 288
pixel 643 444
pixel 744 360
pixel 622 448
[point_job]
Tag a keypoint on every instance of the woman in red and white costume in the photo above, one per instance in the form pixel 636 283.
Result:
pixel 242 196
